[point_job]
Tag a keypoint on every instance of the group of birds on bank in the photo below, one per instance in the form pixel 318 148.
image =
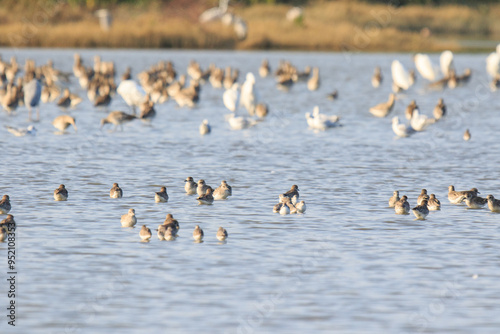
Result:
pixel 427 203
pixel 289 202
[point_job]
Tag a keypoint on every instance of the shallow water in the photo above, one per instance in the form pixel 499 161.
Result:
pixel 348 265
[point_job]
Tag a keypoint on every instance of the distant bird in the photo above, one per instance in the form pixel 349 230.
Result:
pixel 400 129
pixel 190 186
pixel 410 108
pixel 207 198
pixel 132 93
pixel 162 195
pixel 285 207
pixel 61 193
pixel 402 207
pixel 231 97
pixel 249 96
pixel 104 99
pixel 32 93
pixel 383 109
pixel 202 187
pixel 493 204
pixel 221 234
pixel 321 121
pixel 19 132
pixel 223 191
pixel 3 233
pixel 421 211
pixel 129 219
pixel 9 223
pixel 455 197
pixel 117 118
pixel 433 203
pixel 333 95
pixel 147 109
pixel 424 66
pixel 377 77
pixel 65 100
pixel 261 110
pixel 240 122
pixel 205 128
pixel 300 207
pixel 446 63
pixel 439 110
pixel 171 222
pixel 5 205
pixel 63 122
pixel 394 199
pixel 467 135
pixel 400 77
pixel 420 122
pixel 292 194
pixel 475 202
pixel 116 191
pixel 145 233
pixel 313 82
pixel 264 69
pixel 169 234
pixel 198 233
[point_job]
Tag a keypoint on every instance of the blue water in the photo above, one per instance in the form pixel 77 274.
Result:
pixel 348 265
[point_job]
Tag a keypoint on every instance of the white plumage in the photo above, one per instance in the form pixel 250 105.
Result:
pixel 424 66
pixel 231 97
pixel 132 93
pixel 446 62
pixel 400 129
pixel 400 76
pixel 249 95
pixel 321 121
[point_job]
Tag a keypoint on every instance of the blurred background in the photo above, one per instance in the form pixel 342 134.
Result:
pixel 376 25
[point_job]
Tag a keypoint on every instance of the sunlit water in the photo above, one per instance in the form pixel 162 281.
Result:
pixel 349 264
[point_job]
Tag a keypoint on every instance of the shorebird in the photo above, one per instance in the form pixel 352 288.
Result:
pixel 400 129
pixel 162 195
pixel 190 186
pixel 300 207
pixel 333 95
pixel 383 109
pixel 65 100
pixel 9 223
pixel 410 108
pixel 129 219
pixel 20 132
pixel 402 207
pixel 147 109
pixel 205 128
pixel 62 122
pixel 198 233
pixel 467 135
pixel 207 198
pixel 117 118
pixel 377 77
pixel 145 233
pixel 231 97
pixel 61 194
pixel 160 232
pixel 394 199
pixel 171 222
pixel 240 122
pixel 277 207
pixel 3 233
pixel 249 95
pixel 202 188
pixel 292 194
pixel 221 234
pixel 493 204
pixel 261 110
pixel 116 191
pixel 285 208
pixel 5 205
pixel 457 197
pixel 321 121
pixel 223 191
pixel 439 110
pixel 433 203
pixel 475 202
pixel 423 196
pixel 421 211
pixel 313 82
pixel 264 69
pixel 169 234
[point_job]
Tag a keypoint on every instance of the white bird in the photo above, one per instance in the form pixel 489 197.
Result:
pixel 249 95
pixel 19 132
pixel 419 121
pixel 132 93
pixel 205 127
pixel 400 77
pixel 493 64
pixel 240 122
pixel 424 66
pixel 240 28
pixel 231 97
pixel 400 129
pixel 321 121
pixel 214 13
pixel 446 62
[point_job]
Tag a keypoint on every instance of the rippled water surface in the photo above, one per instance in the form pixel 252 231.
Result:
pixel 348 265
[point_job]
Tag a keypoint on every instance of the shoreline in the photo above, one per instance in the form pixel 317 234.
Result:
pixel 325 26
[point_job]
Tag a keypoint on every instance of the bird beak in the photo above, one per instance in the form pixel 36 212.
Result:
pixel 76 129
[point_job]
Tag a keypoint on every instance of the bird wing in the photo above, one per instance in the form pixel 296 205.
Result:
pixel 493 64
pixel 399 75
pixel 446 62
pixel 424 66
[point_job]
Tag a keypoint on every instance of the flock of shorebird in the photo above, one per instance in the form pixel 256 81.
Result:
pixel 160 83
pixel 426 203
